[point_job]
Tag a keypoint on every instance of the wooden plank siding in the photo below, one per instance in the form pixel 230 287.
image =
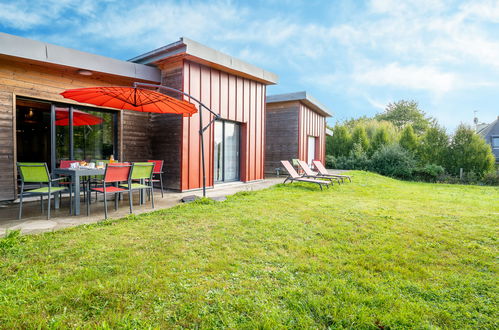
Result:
pixel 281 134
pixel 311 124
pixel 45 82
pixel 289 124
pixel 234 98
pixel 166 132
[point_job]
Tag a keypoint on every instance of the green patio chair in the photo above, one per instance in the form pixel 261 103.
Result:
pixel 142 175
pixel 38 173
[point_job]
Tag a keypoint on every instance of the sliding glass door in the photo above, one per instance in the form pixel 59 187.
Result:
pixel 226 153
pixel 48 132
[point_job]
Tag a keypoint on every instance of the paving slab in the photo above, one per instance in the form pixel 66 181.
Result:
pixel 34 221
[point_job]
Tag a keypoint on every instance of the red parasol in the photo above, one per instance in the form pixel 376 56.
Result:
pixel 131 98
pixel 80 118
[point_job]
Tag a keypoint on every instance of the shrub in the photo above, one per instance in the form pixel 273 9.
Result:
pixel 429 172
pixel 359 136
pixel 470 152
pixel 379 139
pixel 433 146
pixel 394 161
pixel 340 141
pixel 491 179
pixel 408 140
pixel 356 160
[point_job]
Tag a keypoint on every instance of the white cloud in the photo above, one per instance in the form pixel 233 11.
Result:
pixel 407 77
pixel 482 10
pixel 13 16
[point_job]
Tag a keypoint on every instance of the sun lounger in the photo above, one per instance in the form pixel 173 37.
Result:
pixel 293 176
pixel 308 173
pixel 322 171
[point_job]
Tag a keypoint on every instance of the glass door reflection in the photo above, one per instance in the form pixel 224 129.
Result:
pixel 226 151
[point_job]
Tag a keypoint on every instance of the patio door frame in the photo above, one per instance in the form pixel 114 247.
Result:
pixel 223 122
pixel 53 106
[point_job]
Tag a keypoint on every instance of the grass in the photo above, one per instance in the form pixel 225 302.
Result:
pixel 375 253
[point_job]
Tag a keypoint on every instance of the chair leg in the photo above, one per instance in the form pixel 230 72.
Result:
pixel 48 205
pixel 20 205
pixel 152 195
pixel 89 195
pixel 41 203
pixel 116 197
pixel 130 201
pixel 161 183
pixel 70 200
pixel 105 205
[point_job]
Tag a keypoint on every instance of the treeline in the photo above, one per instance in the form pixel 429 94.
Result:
pixel 403 142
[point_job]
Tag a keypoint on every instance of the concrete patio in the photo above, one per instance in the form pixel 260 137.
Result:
pixel 34 221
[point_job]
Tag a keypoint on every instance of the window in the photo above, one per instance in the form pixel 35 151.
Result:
pixel 495 142
pixel 48 132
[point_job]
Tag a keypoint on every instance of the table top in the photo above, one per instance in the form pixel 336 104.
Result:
pixel 80 171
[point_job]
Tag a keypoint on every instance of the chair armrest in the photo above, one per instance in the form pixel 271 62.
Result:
pixel 58 179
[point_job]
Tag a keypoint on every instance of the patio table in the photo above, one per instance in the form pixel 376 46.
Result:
pixel 76 174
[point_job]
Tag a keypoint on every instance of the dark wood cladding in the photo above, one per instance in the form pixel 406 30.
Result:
pixel 281 135
pixel 312 124
pixel 289 124
pixel 166 133
pixel 136 136
pixel 234 98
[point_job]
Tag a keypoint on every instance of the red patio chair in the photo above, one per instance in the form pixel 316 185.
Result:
pixel 115 174
pixel 158 170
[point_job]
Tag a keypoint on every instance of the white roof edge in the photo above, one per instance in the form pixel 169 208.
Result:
pixel 304 97
pixel 20 47
pixel 194 48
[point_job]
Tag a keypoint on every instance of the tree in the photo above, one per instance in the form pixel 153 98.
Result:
pixel 380 139
pixel 329 145
pixel 341 141
pixel 469 152
pixel 408 140
pixel 403 113
pixel 359 136
pixel 433 146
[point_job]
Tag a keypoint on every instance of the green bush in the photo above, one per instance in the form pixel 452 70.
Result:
pixel 470 152
pixel 356 160
pixel 429 172
pixel 394 161
pixel 491 179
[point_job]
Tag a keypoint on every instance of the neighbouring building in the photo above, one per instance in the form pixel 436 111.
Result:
pixel 295 128
pixel 490 133
pixel 33 73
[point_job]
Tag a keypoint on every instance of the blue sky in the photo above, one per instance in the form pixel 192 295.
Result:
pixel 353 56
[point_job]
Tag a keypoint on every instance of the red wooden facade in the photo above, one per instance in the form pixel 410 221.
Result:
pixel 234 98
pixel 311 123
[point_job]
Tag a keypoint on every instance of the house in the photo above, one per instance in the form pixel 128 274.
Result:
pixel 295 128
pixel 33 73
pixel 490 133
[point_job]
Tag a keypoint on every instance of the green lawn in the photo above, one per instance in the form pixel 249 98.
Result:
pixel 373 253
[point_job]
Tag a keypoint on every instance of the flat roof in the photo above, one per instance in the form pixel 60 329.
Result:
pixel 24 48
pixel 194 50
pixel 303 97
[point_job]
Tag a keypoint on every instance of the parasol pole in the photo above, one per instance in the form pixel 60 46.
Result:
pixel 201 128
